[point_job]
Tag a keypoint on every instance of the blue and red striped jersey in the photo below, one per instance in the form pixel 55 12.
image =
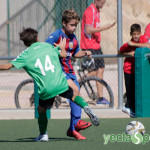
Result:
pixel 72 48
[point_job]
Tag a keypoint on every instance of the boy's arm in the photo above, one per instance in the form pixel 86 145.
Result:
pixel 91 30
pixel 88 21
pixel 53 38
pixel 6 66
pixel 63 53
pixel 126 53
pixel 130 43
pixel 124 50
pixel 62 45
pixel 80 54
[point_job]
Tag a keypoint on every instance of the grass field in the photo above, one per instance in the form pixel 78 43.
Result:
pixel 19 135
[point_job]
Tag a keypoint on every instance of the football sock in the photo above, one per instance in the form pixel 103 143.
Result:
pixel 75 114
pixel 42 121
pixel 80 101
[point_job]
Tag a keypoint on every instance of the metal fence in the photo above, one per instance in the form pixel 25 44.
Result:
pixel 45 16
pixel 12 78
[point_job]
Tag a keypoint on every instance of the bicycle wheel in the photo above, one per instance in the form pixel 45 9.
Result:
pixel 24 94
pixel 88 90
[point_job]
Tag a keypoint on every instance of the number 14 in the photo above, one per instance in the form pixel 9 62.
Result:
pixel 48 65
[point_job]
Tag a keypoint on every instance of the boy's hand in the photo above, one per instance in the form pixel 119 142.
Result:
pixel 130 43
pixel 89 54
pixel 113 24
pixel 148 45
pixel 6 66
pixel 110 25
pixel 62 43
pixel 131 53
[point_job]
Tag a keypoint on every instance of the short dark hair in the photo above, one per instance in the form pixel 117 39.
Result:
pixel 28 36
pixel 135 27
pixel 70 14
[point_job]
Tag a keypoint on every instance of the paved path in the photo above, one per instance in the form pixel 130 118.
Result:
pixel 60 114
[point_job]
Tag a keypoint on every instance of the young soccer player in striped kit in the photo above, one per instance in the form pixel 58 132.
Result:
pixel 70 20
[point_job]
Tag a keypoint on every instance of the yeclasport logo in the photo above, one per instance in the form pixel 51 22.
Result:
pixel 135 138
pixel 134 133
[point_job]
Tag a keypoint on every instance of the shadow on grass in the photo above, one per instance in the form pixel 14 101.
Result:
pixel 32 140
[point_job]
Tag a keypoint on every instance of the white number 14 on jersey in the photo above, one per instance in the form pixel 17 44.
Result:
pixel 48 65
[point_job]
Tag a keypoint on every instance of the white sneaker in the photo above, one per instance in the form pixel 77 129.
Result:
pixel 128 111
pixel 42 138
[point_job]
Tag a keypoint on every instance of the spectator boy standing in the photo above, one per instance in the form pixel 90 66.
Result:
pixel 137 40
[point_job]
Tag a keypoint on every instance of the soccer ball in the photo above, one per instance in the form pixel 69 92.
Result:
pixel 135 127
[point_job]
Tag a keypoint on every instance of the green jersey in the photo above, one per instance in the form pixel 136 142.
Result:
pixel 41 62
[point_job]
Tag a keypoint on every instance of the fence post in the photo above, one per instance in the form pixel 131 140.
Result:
pixel 120 60
pixel 8 28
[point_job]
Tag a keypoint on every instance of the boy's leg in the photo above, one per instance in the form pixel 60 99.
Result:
pixel 132 92
pixel 82 103
pixel 129 107
pixel 75 117
pixel 42 123
pixel 75 114
pixel 76 122
pixel 75 109
pixel 42 120
pixel 127 85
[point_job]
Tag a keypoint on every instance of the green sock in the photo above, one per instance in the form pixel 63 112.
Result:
pixel 42 121
pixel 80 101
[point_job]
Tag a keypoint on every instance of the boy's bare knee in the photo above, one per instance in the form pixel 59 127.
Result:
pixel 100 70
pixel 76 91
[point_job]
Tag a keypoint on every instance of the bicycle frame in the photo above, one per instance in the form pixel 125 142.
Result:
pixel 83 83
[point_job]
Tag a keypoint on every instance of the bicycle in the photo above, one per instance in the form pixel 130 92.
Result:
pixel 87 88
pixel 24 95
pixel 88 84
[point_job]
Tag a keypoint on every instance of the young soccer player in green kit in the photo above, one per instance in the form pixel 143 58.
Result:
pixel 41 62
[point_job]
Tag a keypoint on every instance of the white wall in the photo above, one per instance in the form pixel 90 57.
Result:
pixel 3 11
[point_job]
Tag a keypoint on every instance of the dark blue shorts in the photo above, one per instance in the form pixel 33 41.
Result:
pixel 73 78
pixel 99 62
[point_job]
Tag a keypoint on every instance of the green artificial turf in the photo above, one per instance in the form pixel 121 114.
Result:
pixel 19 135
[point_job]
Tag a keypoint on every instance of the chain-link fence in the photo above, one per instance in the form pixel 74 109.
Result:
pixel 45 16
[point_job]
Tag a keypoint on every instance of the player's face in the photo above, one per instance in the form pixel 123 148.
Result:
pixel 136 36
pixel 70 27
pixel 100 3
